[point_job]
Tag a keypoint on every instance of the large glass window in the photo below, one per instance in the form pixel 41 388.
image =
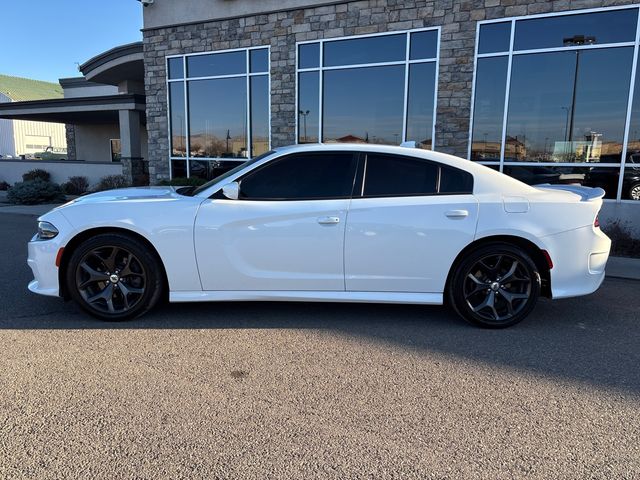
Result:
pixel 554 91
pixel 218 110
pixel 302 176
pixel 371 89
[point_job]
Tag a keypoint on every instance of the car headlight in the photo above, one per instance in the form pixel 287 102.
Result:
pixel 46 231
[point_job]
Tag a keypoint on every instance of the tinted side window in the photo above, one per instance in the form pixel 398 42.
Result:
pixel 453 180
pixel 388 175
pixel 302 176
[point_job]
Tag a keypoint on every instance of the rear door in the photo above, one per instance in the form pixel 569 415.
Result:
pixel 408 223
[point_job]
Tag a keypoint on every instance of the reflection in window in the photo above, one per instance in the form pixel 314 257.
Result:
pixel 422 78
pixel 363 105
pixel 209 169
pixel 494 37
pixel 308 91
pixel 488 112
pixel 309 55
pixel 424 45
pixel 178 168
pixel 218 118
pixel 214 64
pixel 176 68
pixel 612 26
pixel 178 121
pixel 369 103
pixel 567 107
pixel 383 48
pixel 603 177
pixel 221 114
pixel 259 60
pixel 259 115
pixel 631 172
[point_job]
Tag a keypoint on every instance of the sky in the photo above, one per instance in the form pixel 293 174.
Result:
pixel 46 39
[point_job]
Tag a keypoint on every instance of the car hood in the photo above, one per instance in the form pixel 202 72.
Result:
pixel 134 194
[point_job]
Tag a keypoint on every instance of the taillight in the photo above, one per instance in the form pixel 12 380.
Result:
pixel 596 223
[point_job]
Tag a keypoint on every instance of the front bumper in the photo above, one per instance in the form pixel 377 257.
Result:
pixel 42 261
pixel 43 253
pixel 579 259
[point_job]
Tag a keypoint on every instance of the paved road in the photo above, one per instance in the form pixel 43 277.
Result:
pixel 315 390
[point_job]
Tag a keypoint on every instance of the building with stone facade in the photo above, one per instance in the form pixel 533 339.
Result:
pixel 542 90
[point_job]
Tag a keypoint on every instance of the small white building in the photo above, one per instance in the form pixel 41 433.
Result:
pixel 26 137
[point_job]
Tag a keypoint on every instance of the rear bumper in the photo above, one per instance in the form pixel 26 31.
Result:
pixel 579 259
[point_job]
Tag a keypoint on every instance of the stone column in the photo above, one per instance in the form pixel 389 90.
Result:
pixel 132 162
pixel 71 141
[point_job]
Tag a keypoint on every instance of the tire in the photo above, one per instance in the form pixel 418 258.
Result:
pixel 494 286
pixel 114 277
pixel 634 192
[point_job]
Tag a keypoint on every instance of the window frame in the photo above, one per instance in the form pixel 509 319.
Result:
pixel 406 62
pixel 511 52
pixel 185 79
pixel 361 177
pixel 356 157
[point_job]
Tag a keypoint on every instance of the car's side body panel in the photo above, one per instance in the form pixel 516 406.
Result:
pixel 406 244
pixel 271 245
pixel 306 296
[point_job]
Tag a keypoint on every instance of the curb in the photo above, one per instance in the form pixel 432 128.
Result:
pixel 622 267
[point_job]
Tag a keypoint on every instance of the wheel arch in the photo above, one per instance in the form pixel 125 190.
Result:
pixel 72 244
pixel 534 251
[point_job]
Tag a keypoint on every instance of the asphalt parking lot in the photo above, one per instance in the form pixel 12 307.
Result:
pixel 268 390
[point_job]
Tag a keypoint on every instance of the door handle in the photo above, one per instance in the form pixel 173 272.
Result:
pixel 457 213
pixel 328 220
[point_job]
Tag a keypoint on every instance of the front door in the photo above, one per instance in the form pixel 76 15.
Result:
pixel 285 232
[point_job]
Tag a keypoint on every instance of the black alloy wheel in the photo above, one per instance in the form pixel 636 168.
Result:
pixel 114 277
pixel 495 286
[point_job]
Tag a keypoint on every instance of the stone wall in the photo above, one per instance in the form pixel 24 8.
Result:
pixel 70 131
pixel 281 30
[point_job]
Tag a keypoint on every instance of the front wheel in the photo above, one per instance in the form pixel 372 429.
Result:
pixel 495 286
pixel 114 277
pixel 634 192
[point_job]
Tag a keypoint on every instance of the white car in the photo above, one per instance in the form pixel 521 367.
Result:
pixel 329 223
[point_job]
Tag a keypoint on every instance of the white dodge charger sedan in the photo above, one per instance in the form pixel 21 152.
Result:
pixel 330 223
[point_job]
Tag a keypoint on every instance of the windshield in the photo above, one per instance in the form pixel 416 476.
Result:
pixel 233 171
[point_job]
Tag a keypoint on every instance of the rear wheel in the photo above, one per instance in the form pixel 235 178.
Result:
pixel 495 286
pixel 114 277
pixel 634 192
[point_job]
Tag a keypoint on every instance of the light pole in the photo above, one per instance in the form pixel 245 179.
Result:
pixel 304 114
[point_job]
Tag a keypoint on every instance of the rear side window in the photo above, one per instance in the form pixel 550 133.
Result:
pixel 302 176
pixel 453 181
pixel 392 175
pixel 389 175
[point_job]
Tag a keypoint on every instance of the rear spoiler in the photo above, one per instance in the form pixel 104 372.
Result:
pixel 587 193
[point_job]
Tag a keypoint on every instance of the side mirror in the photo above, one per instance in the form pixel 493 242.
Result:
pixel 231 190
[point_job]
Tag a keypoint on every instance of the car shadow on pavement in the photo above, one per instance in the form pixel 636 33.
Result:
pixel 593 339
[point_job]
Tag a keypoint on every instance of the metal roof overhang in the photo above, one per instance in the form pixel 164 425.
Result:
pixel 125 62
pixel 87 110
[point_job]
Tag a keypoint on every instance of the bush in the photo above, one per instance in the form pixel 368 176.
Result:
pixel 4 186
pixel 36 174
pixel 184 182
pixel 33 192
pixel 623 242
pixel 111 182
pixel 75 186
